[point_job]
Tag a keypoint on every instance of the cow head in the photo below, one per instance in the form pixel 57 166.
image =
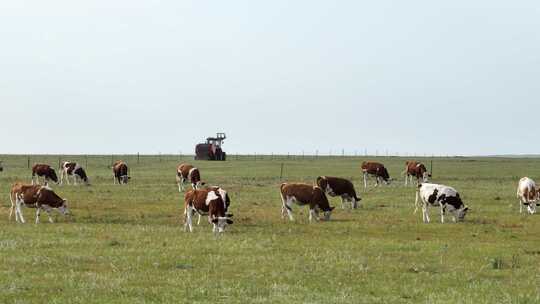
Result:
pixel 461 212
pixel 425 177
pixel 52 175
pixel 64 207
pixel 319 196
pixel 221 222
pixel 124 179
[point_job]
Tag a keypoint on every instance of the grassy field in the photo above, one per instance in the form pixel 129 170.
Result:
pixel 126 244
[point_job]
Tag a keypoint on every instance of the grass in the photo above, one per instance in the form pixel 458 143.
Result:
pixel 126 244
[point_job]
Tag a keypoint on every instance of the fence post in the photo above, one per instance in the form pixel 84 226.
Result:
pixel 112 161
pixel 85 162
pixel 138 158
pixel 281 172
pixel 28 163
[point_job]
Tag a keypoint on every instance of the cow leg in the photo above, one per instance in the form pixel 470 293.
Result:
pixel 48 210
pixel 19 211
pixel 425 213
pixel 365 181
pixel 406 178
pixel 288 207
pixel 189 223
pixel 182 184
pixel 521 205
pixel 75 179
pixel 442 213
pixel 199 219
pixel 416 203
pixel 12 207
pixel 38 209
pixel 342 203
pixel 311 214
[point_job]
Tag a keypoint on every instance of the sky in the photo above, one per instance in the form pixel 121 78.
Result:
pixel 408 77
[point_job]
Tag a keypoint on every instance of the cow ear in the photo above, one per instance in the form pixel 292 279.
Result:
pixel 466 208
pixel 215 220
pixel 229 215
pixel 229 222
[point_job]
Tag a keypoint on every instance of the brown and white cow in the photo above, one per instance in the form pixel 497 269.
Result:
pixel 336 186
pixel 528 194
pixel 224 196
pixel 416 169
pixel 45 171
pixel 188 172
pixel 74 170
pixel 35 196
pixel 375 169
pixel 304 194
pixel 206 202
pixel 120 172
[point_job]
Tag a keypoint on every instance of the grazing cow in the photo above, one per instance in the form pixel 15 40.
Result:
pixel 376 169
pixel 74 170
pixel 45 171
pixel 336 186
pixel 528 194
pixel 35 196
pixel 447 198
pixel 304 194
pixel 416 169
pixel 188 172
pixel 208 202
pixel 120 172
pixel 224 196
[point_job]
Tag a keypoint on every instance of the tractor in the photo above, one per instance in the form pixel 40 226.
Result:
pixel 211 150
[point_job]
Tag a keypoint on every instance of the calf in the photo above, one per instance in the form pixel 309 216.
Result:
pixel 208 202
pixel 188 172
pixel 528 194
pixel 45 171
pixel 375 169
pixel 304 194
pixel 74 170
pixel 416 169
pixel 120 172
pixel 336 186
pixel 35 196
pixel 447 198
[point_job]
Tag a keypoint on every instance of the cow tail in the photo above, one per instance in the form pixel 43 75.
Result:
pixel 281 192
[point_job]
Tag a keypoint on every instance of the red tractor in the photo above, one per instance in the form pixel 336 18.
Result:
pixel 211 150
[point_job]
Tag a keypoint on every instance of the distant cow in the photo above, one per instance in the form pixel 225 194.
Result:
pixel 528 194
pixel 35 196
pixel 120 172
pixel 375 169
pixel 416 169
pixel 74 170
pixel 206 202
pixel 446 198
pixel 45 171
pixel 188 172
pixel 336 186
pixel 304 194
pixel 1 166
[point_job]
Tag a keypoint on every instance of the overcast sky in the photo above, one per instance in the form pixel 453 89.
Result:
pixel 434 77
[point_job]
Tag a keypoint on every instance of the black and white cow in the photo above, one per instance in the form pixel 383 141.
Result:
pixel 74 170
pixel 446 198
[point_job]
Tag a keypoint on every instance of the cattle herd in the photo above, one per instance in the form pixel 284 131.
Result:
pixel 214 202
